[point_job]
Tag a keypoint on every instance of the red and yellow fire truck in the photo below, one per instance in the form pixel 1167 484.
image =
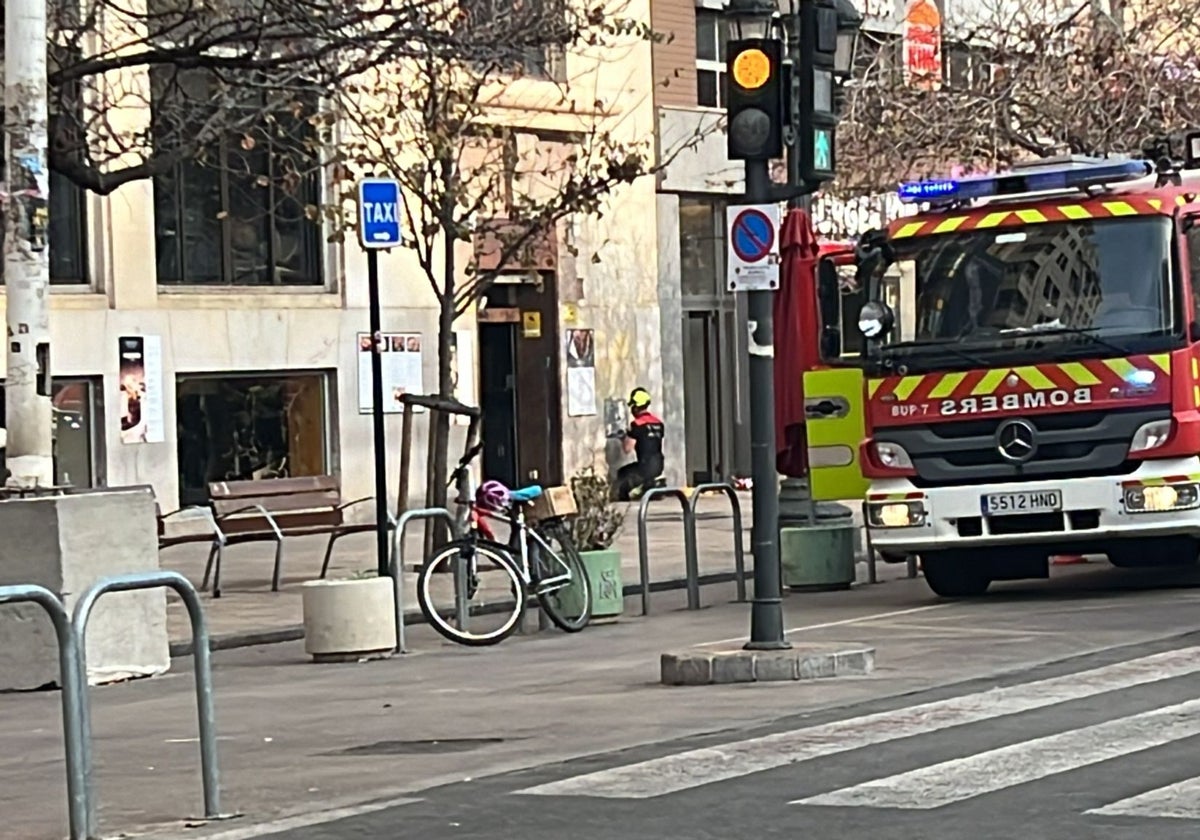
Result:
pixel 1025 380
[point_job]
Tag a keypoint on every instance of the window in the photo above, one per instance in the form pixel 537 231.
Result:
pixel 235 427
pixel 65 237
pixel 503 19
pixel 1193 250
pixel 967 67
pixel 711 35
pixel 701 246
pixel 243 213
pixel 76 405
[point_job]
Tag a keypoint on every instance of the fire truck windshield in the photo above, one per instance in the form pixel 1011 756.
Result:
pixel 1043 291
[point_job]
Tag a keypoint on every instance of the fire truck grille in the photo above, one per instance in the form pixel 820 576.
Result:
pixel 1069 445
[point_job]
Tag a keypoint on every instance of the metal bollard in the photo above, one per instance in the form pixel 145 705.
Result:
pixel 78 792
pixel 689 546
pixel 398 562
pixel 202 660
pixel 739 557
pixel 872 574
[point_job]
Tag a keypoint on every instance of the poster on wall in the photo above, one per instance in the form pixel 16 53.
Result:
pixel 581 373
pixel 464 373
pixel 401 355
pixel 140 380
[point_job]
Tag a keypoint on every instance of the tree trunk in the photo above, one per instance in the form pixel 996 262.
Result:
pixel 440 420
pixel 28 417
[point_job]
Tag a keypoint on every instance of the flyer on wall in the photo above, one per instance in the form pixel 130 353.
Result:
pixel 402 356
pixel 140 381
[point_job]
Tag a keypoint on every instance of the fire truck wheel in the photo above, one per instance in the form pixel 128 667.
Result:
pixel 954 574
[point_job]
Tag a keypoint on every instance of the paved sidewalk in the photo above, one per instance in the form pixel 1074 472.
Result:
pixel 297 737
pixel 249 612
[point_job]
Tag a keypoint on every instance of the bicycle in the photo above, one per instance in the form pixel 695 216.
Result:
pixel 529 564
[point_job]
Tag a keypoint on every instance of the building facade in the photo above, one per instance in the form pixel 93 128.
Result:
pixel 203 332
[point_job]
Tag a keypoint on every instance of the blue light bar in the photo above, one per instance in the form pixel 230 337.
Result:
pixel 1031 179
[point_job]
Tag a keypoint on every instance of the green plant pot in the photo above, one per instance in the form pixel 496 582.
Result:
pixel 817 558
pixel 604 577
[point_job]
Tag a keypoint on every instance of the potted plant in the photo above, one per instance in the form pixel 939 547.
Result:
pixel 594 529
pixel 349 619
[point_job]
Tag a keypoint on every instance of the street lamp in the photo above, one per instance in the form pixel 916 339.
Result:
pixel 750 19
pixel 848 28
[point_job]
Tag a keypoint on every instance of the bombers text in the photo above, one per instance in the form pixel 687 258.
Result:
pixel 1015 402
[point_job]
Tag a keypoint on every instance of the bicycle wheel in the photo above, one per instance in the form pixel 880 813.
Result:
pixel 491 597
pixel 567 603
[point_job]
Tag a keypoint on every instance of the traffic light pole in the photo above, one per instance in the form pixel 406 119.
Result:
pixel 766 612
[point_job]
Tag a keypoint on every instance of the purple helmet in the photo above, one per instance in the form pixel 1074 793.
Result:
pixel 492 495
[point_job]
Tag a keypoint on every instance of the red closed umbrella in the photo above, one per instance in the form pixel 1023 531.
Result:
pixel 796 338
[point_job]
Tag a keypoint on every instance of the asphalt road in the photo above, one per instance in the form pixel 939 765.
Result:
pixel 1098 746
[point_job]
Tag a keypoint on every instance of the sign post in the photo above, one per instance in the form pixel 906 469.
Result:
pixel 378 229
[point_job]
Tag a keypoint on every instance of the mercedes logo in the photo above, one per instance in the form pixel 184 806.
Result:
pixel 1015 440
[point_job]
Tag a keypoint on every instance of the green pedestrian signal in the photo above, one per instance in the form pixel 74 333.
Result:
pixel 822 150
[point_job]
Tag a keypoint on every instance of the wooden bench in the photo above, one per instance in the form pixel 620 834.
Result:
pixel 274 508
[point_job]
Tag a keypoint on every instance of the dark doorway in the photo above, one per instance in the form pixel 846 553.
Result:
pixel 519 382
pixel 498 400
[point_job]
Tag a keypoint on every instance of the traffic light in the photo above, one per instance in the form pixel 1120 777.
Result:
pixel 755 102
pixel 817 121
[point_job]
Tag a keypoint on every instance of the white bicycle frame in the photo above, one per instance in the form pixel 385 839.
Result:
pixel 519 527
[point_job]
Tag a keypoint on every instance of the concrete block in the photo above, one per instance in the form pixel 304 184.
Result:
pixel 722 667
pixel 732 667
pixel 67 543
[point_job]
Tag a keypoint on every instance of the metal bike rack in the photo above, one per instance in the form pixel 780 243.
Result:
pixel 68 656
pixel 398 561
pixel 201 657
pixel 689 545
pixel 739 557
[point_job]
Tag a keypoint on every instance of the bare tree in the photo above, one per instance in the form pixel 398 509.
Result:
pixel 474 168
pixel 206 70
pixel 1025 79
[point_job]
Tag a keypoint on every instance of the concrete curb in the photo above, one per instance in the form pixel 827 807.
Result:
pixel 295 632
pixel 694 667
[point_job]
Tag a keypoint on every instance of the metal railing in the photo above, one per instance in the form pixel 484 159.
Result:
pixel 69 674
pixel 689 545
pixel 398 562
pixel 201 658
pixel 739 556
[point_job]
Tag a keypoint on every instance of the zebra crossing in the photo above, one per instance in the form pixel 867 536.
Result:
pixel 1146 704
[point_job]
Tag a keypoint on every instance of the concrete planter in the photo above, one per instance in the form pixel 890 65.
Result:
pixel 604 575
pixel 818 558
pixel 348 620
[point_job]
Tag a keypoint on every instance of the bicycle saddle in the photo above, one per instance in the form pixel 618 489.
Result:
pixel 526 494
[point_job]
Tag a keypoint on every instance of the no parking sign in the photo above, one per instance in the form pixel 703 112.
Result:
pixel 753 240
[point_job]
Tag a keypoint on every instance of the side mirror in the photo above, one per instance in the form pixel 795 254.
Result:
pixel 875 319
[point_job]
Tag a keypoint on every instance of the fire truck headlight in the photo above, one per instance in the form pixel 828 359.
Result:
pixel 1150 436
pixel 891 455
pixel 896 514
pixel 1160 498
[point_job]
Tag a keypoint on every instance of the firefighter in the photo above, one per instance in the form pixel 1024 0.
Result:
pixel 644 438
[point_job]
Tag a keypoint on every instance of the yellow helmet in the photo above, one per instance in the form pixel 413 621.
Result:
pixel 639 398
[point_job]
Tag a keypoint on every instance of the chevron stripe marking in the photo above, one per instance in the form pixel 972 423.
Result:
pixel 1031 216
pixel 990 382
pixel 1119 208
pixel 950 225
pixel 1074 211
pixel 873 386
pixel 1162 361
pixel 906 386
pixel 909 229
pixel 1079 374
pixel 946 385
pixel 1121 367
pixel 1034 378
pixel 992 220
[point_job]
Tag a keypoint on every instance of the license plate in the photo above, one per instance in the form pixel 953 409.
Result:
pixel 1008 504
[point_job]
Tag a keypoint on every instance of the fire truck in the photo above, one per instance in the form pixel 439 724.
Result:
pixel 1014 372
